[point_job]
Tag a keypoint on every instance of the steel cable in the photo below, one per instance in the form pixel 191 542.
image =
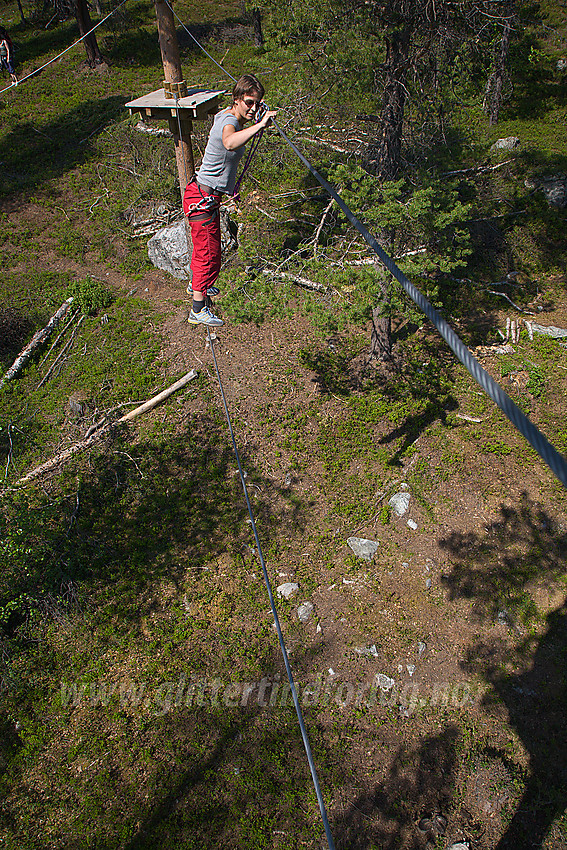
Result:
pixel 275 613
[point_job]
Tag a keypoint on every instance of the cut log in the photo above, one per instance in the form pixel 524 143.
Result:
pixel 38 339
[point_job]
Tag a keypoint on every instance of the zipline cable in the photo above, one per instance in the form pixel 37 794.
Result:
pixel 275 614
pixel 554 460
pixel 55 58
pixel 200 46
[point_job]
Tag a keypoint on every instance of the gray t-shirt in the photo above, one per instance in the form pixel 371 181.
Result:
pixel 219 166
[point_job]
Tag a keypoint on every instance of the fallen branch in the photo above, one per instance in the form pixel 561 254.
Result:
pixel 61 354
pixel 479 170
pixel 321 225
pixel 38 339
pixel 515 306
pixel 60 335
pixel 301 281
pixel 88 441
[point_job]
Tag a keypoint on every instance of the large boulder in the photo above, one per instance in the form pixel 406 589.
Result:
pixel 511 143
pixel 554 188
pixel 170 250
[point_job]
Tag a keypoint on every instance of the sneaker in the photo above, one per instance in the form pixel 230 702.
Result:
pixel 212 291
pixel 205 317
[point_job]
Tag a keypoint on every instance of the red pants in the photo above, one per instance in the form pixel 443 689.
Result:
pixel 206 238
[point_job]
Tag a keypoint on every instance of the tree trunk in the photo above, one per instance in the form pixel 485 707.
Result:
pixel 257 24
pixel 381 334
pixel 94 56
pixel 392 116
pixel 21 11
pixel 493 97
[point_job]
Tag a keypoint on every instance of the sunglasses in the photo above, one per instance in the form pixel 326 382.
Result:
pixel 252 104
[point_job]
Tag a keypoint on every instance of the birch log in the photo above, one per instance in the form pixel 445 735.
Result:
pixel 38 339
pixel 88 441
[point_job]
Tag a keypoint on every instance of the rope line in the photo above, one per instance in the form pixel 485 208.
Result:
pixel 55 58
pixel 200 46
pixel 549 454
pixel 275 614
pixel 181 137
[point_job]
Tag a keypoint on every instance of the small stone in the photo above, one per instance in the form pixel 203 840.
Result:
pixel 362 547
pixel 421 647
pixel 410 668
pixel 428 584
pixel 287 589
pixel 503 618
pixel 510 143
pixel 412 524
pixel 331 671
pixel 367 650
pixel 460 845
pixel 400 503
pixel 288 479
pixel 76 404
pixel 304 612
pixel 384 682
pixel 319 629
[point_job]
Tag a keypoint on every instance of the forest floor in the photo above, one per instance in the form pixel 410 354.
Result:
pixel 432 676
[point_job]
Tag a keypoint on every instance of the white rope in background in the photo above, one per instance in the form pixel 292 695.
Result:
pixel 63 52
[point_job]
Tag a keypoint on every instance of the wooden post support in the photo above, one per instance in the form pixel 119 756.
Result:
pixel 183 149
pixel 169 48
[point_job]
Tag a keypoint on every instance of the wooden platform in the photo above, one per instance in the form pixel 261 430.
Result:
pixel 196 106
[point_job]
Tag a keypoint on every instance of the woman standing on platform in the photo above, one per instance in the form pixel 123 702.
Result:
pixel 217 177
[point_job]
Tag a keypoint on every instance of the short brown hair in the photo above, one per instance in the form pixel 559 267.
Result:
pixel 247 84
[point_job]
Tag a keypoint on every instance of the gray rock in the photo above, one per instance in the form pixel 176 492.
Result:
pixel 362 547
pixel 367 650
pixel 428 584
pixel 553 187
pixel 412 524
pixel 384 682
pixel 400 503
pixel 508 144
pixel 287 589
pixel 169 250
pixel 304 611
pixel 421 647
pixel 460 845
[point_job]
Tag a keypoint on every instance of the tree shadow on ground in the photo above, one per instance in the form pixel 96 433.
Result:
pixel 32 155
pixel 523 550
pixel 406 809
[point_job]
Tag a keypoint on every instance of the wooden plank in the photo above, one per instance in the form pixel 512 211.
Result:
pixel 199 103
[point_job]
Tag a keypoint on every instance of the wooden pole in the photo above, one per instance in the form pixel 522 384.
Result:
pixel 170 58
